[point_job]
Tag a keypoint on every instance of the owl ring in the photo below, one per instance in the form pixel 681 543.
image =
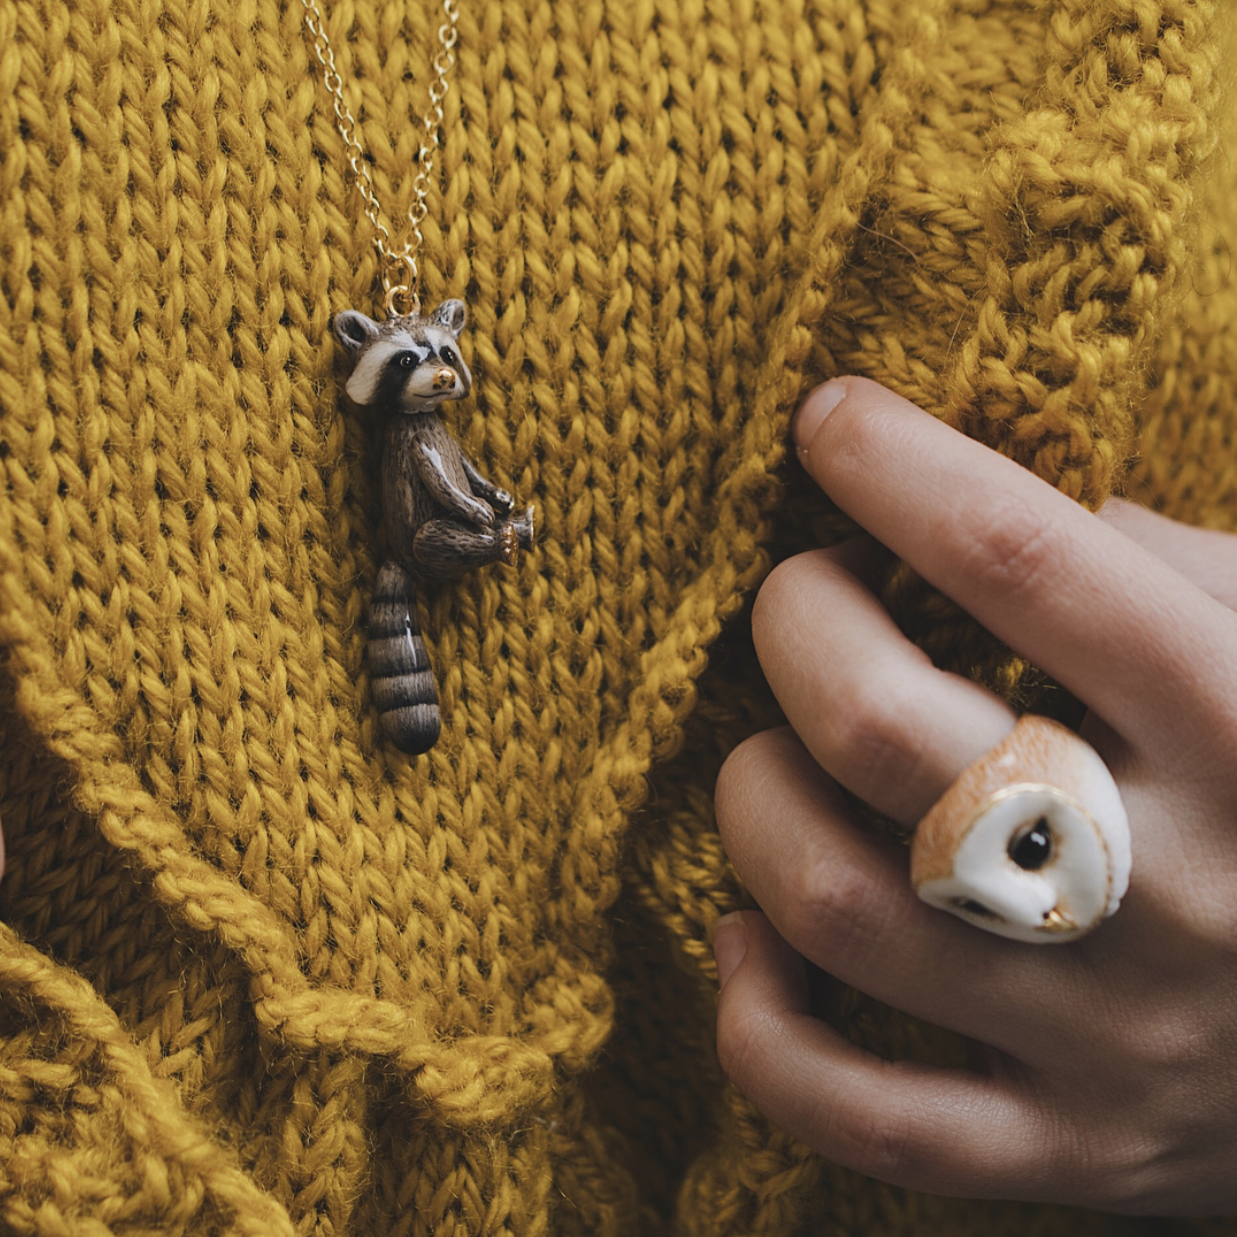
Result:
pixel 1030 842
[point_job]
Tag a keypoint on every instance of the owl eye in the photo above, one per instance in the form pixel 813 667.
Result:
pixel 1032 849
pixel 975 908
pixel 448 356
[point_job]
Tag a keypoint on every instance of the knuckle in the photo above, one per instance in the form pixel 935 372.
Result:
pixel 882 1145
pixel 870 733
pixel 1117 1170
pixel 831 904
pixel 1128 1189
pixel 1066 1150
pixel 1110 1166
pixel 1015 552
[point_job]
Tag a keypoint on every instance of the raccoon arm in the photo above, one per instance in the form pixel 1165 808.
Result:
pixel 445 492
pixel 500 500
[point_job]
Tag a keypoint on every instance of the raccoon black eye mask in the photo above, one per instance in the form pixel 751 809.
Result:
pixel 442 517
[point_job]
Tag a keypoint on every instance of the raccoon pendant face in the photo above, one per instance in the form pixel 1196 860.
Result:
pixel 442 517
pixel 405 364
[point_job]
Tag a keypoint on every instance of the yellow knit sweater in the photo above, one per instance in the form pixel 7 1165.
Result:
pixel 261 974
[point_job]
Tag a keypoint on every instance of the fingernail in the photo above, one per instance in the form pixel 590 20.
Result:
pixel 729 945
pixel 813 411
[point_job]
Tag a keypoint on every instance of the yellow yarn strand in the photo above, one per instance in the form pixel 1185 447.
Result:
pixel 260 973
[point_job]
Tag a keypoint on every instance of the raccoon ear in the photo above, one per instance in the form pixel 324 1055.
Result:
pixel 353 329
pixel 452 315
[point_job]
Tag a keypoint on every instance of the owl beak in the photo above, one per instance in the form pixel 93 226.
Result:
pixel 1058 921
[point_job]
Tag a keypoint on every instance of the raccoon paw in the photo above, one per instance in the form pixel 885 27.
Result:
pixel 509 542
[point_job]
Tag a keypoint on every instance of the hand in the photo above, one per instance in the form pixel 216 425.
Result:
pixel 1109 1065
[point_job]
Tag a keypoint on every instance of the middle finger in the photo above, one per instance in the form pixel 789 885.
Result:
pixel 870 706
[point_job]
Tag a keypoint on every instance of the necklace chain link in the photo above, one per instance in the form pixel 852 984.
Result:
pixel 401 273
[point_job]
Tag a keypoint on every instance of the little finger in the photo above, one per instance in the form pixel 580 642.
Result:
pixel 922 1127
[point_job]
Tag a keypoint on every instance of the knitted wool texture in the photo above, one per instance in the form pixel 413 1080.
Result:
pixel 260 973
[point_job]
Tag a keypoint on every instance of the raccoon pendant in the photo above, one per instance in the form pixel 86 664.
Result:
pixel 442 517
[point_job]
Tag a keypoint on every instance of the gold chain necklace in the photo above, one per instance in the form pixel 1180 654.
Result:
pixel 441 516
pixel 400 271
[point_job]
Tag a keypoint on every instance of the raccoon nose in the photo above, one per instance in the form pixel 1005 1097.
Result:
pixel 444 379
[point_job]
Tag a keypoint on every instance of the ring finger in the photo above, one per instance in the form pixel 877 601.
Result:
pixel 841 897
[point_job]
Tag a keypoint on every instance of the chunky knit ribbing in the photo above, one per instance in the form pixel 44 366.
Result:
pixel 259 972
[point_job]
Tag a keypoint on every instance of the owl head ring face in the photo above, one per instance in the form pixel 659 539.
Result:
pixel 1033 865
pixel 1031 841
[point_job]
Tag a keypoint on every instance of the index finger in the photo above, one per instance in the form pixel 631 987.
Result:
pixel 1115 625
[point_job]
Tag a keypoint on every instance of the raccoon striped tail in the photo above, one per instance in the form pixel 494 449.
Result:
pixel 399 666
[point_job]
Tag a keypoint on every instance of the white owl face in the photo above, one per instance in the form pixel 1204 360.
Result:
pixel 1034 865
pixel 1031 841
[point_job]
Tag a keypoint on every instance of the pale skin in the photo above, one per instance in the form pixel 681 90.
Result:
pixel 1108 1070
